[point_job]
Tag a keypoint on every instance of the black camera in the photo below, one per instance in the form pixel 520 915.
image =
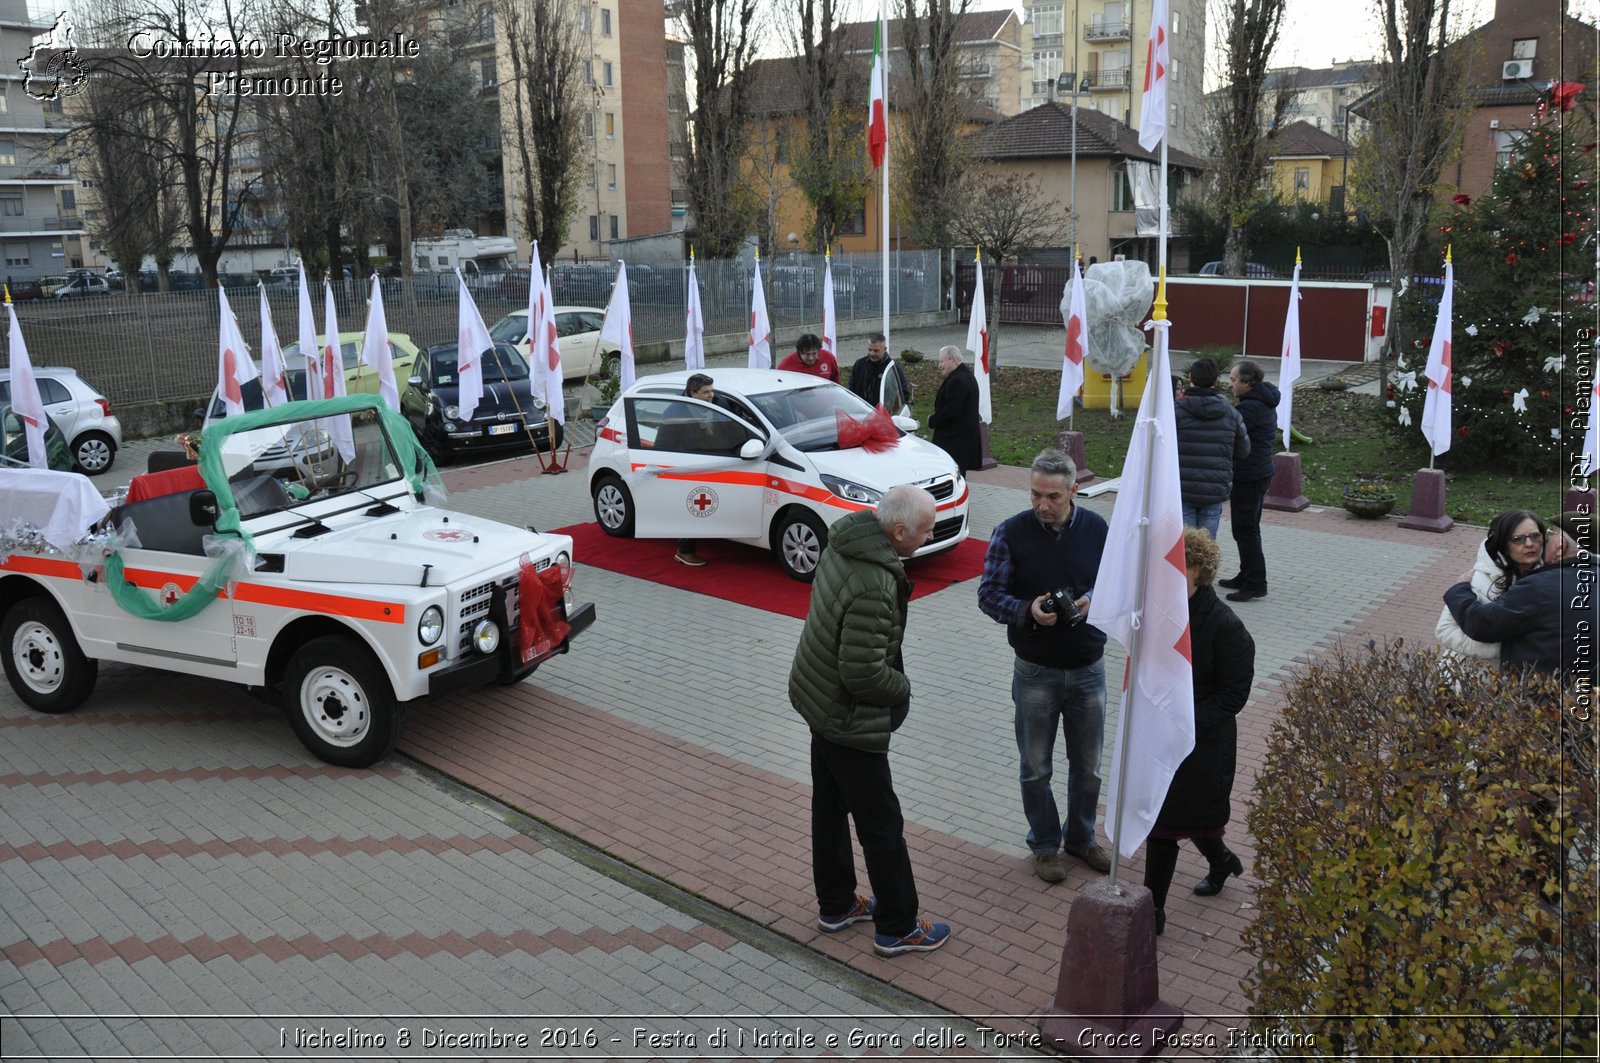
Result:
pixel 1064 605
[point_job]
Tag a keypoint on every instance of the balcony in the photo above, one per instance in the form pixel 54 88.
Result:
pixel 42 225
pixel 1108 80
pixel 1106 30
pixel 55 173
pixel 974 70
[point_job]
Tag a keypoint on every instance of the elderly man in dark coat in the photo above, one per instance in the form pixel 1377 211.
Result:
pixel 955 412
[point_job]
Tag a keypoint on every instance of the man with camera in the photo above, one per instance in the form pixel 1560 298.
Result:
pixel 1038 579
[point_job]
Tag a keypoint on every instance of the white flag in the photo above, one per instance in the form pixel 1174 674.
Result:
pixel 1289 370
pixel 830 320
pixel 617 329
pixel 375 350
pixel 472 340
pixel 1589 460
pixel 1153 104
pixel 274 379
pixel 535 300
pixel 1158 689
pixel 760 324
pixel 978 344
pixel 308 339
pixel 694 343
pixel 1077 321
pixel 332 371
pixel 1436 407
pixel 26 402
pixel 234 366
pixel 548 376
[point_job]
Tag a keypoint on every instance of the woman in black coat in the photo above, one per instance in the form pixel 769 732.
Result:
pixel 955 412
pixel 1197 804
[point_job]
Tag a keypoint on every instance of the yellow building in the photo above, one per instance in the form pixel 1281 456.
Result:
pixel 1308 165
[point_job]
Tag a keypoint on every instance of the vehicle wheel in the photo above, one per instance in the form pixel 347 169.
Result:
pixel 43 661
pixel 340 702
pixel 613 506
pixel 93 452
pixel 798 539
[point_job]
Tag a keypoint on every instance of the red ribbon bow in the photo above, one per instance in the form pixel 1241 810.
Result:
pixel 874 435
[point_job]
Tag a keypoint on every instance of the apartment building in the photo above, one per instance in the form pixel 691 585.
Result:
pixel 1323 95
pixel 41 229
pixel 989 57
pixel 1097 49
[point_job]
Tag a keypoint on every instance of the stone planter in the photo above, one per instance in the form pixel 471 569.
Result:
pixel 1369 508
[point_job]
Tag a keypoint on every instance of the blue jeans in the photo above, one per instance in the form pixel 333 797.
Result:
pixel 1208 518
pixel 1077 698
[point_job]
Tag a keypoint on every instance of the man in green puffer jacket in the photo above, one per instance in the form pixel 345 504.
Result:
pixel 848 682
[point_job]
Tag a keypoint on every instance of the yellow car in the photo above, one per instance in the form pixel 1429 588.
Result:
pixel 359 377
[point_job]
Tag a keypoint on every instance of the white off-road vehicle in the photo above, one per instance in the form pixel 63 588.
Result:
pixel 299 555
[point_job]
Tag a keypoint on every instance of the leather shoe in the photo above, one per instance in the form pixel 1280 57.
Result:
pixel 1245 595
pixel 692 560
pixel 1212 884
pixel 1233 583
pixel 1092 855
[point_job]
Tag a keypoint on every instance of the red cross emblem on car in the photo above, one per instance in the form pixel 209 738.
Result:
pixel 447 535
pixel 702 502
pixel 170 594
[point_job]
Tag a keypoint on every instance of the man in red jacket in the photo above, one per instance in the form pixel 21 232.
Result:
pixel 811 359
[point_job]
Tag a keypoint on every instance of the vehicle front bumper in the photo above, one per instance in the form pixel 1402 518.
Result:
pixel 501 666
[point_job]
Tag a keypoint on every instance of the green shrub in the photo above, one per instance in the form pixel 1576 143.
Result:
pixel 911 356
pixel 1222 354
pixel 1426 845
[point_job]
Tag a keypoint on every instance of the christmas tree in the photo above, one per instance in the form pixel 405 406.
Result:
pixel 1524 257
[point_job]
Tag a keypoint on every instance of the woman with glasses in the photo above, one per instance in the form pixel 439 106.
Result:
pixel 1513 547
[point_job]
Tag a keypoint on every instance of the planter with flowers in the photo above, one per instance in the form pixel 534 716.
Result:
pixel 1369 500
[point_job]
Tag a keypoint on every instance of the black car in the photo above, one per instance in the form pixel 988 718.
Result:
pixel 430 399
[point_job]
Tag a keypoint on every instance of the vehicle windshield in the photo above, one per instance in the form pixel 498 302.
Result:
pixel 510 329
pixel 300 459
pixel 504 364
pixel 808 417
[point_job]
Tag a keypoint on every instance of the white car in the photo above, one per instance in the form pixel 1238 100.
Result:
pixel 93 433
pixel 357 597
pixel 578 333
pixel 82 285
pixel 762 465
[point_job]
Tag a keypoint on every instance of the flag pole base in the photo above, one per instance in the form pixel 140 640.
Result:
pixel 1288 484
pixel 1107 993
pixel 987 461
pixel 1427 503
pixel 1072 443
pixel 557 465
pixel 1578 500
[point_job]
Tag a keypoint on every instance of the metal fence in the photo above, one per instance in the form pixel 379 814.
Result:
pixel 162 347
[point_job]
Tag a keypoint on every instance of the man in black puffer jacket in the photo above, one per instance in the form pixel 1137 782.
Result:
pixel 1211 437
pixel 1252 476
pixel 848 683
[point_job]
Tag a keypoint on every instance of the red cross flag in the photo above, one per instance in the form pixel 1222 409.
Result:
pixel 472 340
pixel 548 375
pixel 1153 103
pixel 375 350
pixel 830 319
pixel 1289 367
pixel 760 324
pixel 308 339
pixel 978 344
pixel 1141 599
pixel 331 369
pixel 1436 407
pixel 1077 320
pixel 234 366
pixel 617 329
pixel 274 379
pixel 26 402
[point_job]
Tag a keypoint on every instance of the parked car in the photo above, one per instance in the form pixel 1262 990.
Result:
pixel 763 465
pixel 359 377
pixel 82 285
pixel 503 416
pixel 23 290
pixel 14 447
pixel 92 431
pixel 1251 269
pixel 578 333
pixel 48 285
pixel 364 597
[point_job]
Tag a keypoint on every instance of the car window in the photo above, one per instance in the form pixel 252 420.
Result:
pixel 513 328
pixel 5 391
pixel 809 417
pixel 684 427
pixel 505 364
pixel 892 396
pixel 53 390
pixel 592 322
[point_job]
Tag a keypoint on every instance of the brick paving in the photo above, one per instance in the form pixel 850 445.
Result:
pixel 168 848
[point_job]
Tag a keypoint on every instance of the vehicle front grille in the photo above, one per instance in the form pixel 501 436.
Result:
pixel 940 487
pixel 948 528
pixel 474 606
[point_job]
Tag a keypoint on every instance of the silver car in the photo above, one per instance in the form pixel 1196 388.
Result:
pixel 93 433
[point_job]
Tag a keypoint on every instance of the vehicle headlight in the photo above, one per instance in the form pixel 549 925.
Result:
pixel 452 411
pixel 486 636
pixel 449 426
pixel 431 626
pixel 851 490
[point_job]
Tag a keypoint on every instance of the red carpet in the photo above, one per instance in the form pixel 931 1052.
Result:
pixel 747 575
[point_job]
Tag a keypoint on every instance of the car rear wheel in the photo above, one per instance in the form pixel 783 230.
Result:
pixel 94 452
pixel 340 703
pixel 43 661
pixel 798 538
pixel 613 506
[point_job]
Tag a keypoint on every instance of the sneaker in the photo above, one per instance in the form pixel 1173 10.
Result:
pixel 1092 855
pixel 924 937
pixel 692 560
pixel 1049 867
pixel 862 909
pixel 1232 583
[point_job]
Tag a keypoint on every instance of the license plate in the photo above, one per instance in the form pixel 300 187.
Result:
pixel 503 429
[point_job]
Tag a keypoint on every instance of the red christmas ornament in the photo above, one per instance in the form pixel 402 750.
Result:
pixel 1511 259
pixel 1461 199
pixel 1565 95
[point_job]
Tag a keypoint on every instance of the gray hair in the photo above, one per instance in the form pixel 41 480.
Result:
pixel 953 352
pixel 1053 462
pixel 901 505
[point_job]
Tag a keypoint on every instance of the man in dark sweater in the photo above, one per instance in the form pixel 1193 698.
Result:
pixel 1252 475
pixel 1038 577
pixel 1211 437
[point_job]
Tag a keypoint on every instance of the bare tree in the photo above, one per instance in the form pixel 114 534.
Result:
pixel 1417 115
pixel 720 36
pixel 137 213
pixel 1006 215
pixel 1241 151
pixel 547 48
pixel 771 180
pixel 829 162
pixel 928 101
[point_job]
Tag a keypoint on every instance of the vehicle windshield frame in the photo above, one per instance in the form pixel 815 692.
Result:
pixel 268 451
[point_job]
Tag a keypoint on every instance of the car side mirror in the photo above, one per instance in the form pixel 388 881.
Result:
pixel 415 381
pixel 906 424
pixel 203 510
pixel 752 449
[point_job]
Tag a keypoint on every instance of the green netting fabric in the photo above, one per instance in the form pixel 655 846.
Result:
pixel 420 475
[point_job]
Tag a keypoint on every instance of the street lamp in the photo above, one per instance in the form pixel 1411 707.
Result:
pixel 1065 87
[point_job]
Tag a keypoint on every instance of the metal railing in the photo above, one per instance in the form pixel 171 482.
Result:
pixel 1106 29
pixel 1107 79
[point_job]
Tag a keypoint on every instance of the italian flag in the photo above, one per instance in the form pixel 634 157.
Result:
pixel 877 117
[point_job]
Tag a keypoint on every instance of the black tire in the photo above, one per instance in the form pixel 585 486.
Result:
pixel 613 506
pixel 43 661
pixel 798 538
pixel 93 453
pixel 340 703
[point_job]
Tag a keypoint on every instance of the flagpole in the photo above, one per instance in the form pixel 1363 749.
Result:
pixel 883 20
